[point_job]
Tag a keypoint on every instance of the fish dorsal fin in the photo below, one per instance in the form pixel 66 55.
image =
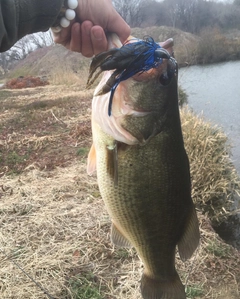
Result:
pixel 112 162
pixel 190 238
pixel 118 238
pixel 92 160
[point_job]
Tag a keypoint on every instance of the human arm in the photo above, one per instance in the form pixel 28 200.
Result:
pixel 21 17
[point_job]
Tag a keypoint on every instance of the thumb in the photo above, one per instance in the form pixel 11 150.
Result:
pixel 116 24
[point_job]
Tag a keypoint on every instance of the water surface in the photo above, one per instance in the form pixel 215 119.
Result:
pixel 214 91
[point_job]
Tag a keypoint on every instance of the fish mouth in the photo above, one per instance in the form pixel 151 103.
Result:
pixel 165 69
pixel 164 75
pixel 171 66
pixel 121 59
pixel 136 59
pixel 148 60
pixel 170 72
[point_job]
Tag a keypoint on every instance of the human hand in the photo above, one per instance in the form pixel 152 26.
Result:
pixel 87 33
pixel 84 38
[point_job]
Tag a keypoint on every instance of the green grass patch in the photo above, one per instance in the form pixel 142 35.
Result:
pixel 36 105
pixel 85 287
pixel 82 151
pixel 19 72
pixel 5 94
pixel 218 249
pixel 13 161
pixel 14 158
pixel 121 253
pixel 194 291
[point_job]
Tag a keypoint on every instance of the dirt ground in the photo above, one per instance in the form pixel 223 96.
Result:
pixel 53 223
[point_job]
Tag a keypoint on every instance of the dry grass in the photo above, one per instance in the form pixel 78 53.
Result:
pixel 53 221
pixel 45 61
pixel 44 125
pixel 214 179
pixel 55 226
pixel 216 46
pixel 63 75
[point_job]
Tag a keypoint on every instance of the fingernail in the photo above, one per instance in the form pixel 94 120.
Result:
pixel 97 35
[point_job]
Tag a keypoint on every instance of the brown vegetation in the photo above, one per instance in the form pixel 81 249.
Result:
pixel 214 46
pixel 25 82
pixel 41 125
pixel 210 46
pixel 53 221
pixel 214 179
pixel 45 62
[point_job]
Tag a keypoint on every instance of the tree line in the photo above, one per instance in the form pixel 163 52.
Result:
pixel 187 15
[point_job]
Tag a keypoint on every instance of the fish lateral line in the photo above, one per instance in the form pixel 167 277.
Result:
pixel 113 162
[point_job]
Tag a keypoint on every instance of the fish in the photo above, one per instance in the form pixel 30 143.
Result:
pixel 141 163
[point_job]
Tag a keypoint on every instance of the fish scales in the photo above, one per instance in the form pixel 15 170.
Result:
pixel 150 201
pixel 140 184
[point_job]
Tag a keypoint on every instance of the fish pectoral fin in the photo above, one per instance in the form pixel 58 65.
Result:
pixel 117 238
pixel 154 288
pixel 190 238
pixel 92 160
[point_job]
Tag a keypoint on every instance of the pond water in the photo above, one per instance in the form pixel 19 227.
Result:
pixel 214 91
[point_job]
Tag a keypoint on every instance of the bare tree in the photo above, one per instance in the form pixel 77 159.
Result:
pixel 182 13
pixel 191 15
pixel 172 10
pixel 130 10
pixel 153 14
pixel 236 2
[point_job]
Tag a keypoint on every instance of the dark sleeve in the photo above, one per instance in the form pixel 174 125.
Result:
pixel 21 17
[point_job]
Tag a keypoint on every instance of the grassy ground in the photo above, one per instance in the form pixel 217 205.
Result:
pixel 52 218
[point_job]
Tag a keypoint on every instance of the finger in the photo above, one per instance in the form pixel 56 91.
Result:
pixel 87 47
pixel 117 25
pixel 76 42
pixel 63 37
pixel 99 40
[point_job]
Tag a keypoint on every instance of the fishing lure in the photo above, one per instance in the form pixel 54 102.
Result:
pixel 130 59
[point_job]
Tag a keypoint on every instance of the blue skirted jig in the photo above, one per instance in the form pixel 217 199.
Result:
pixel 130 59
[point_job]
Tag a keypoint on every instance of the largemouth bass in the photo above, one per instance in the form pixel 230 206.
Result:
pixel 142 167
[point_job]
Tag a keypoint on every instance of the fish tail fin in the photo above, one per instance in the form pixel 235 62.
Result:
pixel 162 289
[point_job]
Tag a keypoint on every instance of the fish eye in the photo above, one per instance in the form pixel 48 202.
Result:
pixel 164 79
